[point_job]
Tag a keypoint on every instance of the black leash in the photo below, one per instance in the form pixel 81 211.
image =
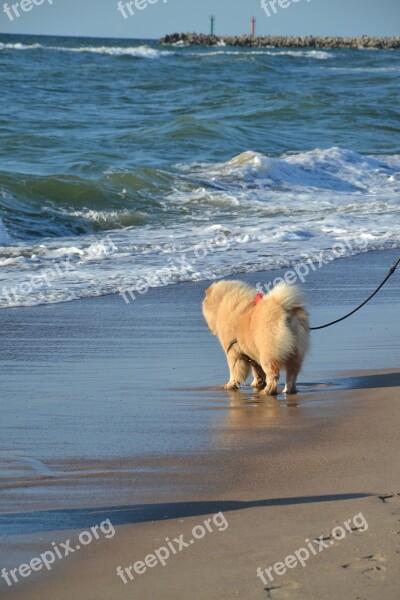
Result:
pixel 391 271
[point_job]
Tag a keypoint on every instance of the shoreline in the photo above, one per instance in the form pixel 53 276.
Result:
pixel 247 41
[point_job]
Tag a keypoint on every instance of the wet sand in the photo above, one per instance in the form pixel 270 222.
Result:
pixel 112 411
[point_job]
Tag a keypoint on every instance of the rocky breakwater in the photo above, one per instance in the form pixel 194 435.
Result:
pixel 200 39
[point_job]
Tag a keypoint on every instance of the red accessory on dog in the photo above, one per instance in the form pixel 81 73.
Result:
pixel 258 298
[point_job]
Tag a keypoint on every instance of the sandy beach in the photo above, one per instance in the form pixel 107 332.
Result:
pixel 112 413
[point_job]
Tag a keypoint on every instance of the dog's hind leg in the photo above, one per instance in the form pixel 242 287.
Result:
pixel 260 378
pixel 272 371
pixel 292 371
pixel 239 370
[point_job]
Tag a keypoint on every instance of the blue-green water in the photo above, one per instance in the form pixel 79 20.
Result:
pixel 121 157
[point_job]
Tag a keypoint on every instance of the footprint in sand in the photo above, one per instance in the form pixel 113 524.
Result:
pixel 370 566
pixel 393 499
pixel 390 497
pixel 281 591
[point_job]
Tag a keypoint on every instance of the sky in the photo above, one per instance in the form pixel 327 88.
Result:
pixel 155 18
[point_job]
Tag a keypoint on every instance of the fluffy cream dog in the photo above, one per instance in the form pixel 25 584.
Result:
pixel 262 333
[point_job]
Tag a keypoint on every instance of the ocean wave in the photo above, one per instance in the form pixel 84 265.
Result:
pixel 253 212
pixel 145 51
pixel 132 51
pixel 315 54
pixel 5 238
pixel 331 169
pixel 56 206
pixel 364 69
pixel 19 46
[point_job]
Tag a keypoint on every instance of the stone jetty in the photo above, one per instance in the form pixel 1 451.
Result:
pixel 200 39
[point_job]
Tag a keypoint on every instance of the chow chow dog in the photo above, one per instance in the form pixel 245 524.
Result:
pixel 260 333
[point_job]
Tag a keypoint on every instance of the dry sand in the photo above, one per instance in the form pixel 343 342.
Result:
pixel 281 471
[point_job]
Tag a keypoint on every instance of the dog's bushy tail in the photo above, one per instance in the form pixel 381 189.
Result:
pixel 293 332
pixel 288 296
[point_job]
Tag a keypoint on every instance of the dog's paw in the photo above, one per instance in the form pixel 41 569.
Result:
pixel 230 386
pixel 269 391
pixel 258 384
pixel 287 390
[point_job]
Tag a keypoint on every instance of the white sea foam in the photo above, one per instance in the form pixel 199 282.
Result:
pixel 144 51
pixel 318 54
pixel 19 46
pixel 336 169
pixel 364 69
pixel 134 51
pixel 315 54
